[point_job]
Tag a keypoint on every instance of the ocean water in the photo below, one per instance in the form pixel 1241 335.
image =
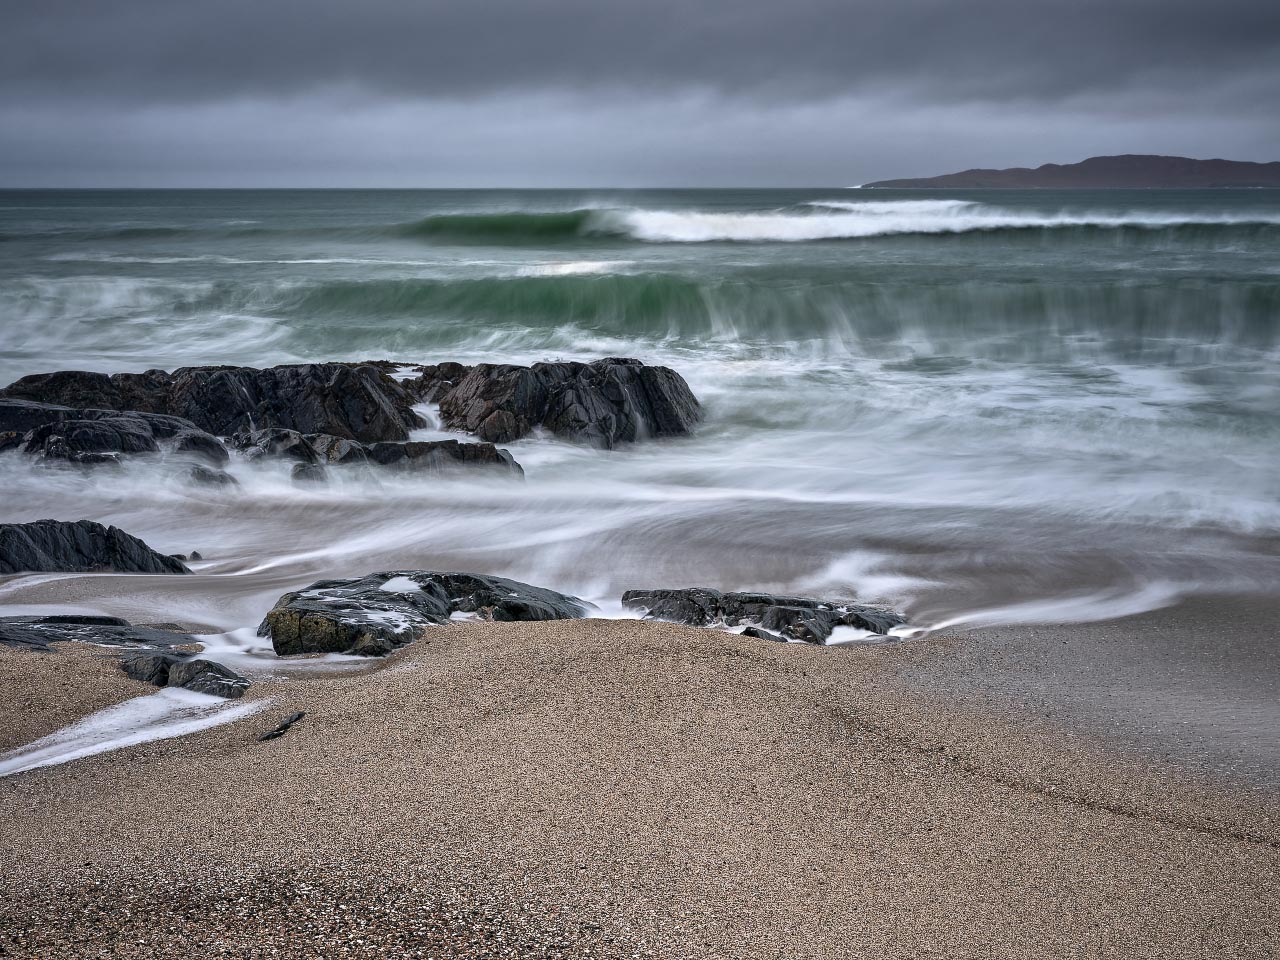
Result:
pixel 984 407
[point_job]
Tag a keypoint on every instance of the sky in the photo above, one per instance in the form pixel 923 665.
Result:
pixel 598 93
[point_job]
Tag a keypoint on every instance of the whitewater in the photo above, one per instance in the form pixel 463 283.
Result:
pixel 984 407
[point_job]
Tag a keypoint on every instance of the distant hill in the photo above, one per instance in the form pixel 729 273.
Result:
pixel 1130 170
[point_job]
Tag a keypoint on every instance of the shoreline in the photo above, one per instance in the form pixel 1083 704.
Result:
pixel 640 788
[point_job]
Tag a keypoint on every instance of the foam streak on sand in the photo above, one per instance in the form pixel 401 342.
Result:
pixel 159 716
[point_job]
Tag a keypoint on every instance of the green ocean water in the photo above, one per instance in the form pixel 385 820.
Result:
pixel 1006 405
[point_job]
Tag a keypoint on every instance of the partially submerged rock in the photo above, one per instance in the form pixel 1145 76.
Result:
pixel 80 546
pixel 373 615
pixel 442 456
pixel 188 672
pixel 603 403
pixel 95 435
pixel 37 633
pixel 769 617
pixel 352 401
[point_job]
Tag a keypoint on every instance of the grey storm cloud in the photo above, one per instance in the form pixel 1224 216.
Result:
pixel 176 51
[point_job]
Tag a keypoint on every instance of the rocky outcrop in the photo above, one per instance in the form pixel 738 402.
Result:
pixel 190 673
pixel 604 403
pixel 351 401
pixel 373 615
pixel 770 617
pixel 96 435
pixel 80 546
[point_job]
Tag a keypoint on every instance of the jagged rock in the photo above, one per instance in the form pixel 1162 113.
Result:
pixel 337 449
pixel 441 456
pixel 36 633
pixel 275 442
pixel 604 403
pixel 206 676
pixel 358 402
pixel 375 614
pixel 759 634
pixel 79 546
pixel 211 478
pixel 794 618
pixel 308 473
pixel 95 435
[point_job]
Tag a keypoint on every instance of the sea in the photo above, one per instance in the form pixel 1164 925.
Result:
pixel 981 407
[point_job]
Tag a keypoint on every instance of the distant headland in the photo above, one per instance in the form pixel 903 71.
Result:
pixel 1130 170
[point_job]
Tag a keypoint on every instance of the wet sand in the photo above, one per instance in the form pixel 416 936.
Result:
pixel 600 788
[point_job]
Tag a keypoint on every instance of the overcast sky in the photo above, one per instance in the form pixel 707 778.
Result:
pixel 620 93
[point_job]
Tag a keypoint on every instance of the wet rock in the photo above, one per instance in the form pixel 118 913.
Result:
pixel 373 615
pixel 206 676
pixel 191 673
pixel 275 443
pixel 96 435
pixel 196 555
pixel 353 401
pixel 603 403
pixel 205 477
pixel 332 449
pixel 759 634
pixel 771 617
pixel 79 546
pixel 308 474
pixel 37 633
pixel 442 456
pixel 149 666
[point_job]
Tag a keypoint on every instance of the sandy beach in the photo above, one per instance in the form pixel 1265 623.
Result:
pixel 601 789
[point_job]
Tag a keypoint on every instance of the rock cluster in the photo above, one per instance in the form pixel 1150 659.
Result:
pixel 373 615
pixel 80 546
pixel 190 673
pixel 603 403
pixel 770 617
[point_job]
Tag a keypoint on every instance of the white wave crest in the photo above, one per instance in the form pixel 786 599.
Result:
pixel 841 220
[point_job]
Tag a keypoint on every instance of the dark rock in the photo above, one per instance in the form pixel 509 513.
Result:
pixel 36 633
pixel 375 614
pixel 285 724
pixel 331 449
pixel 149 666
pixel 195 555
pixel 358 402
pixel 434 381
pixel 80 546
pixel 603 403
pixel 759 634
pixel 206 676
pixel 772 617
pixel 83 436
pixel 308 473
pixel 211 478
pixel 277 443
pixel 442 456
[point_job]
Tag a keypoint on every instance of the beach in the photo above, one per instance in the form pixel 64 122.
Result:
pixel 591 788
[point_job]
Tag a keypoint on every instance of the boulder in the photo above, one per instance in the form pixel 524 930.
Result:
pixel 80 546
pixel 603 403
pixel 203 476
pixel 308 473
pixel 36 633
pixel 373 615
pixel 277 443
pixel 770 617
pixel 332 449
pixel 352 401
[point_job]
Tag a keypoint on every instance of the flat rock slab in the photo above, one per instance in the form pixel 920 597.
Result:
pixel 373 615
pixel 769 616
pixel 78 546
pixel 37 633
